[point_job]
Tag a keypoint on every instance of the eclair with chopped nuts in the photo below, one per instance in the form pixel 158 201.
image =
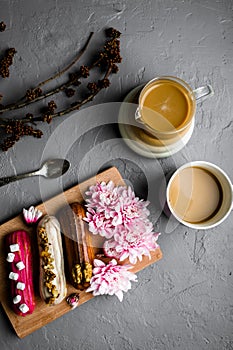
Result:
pixel 20 272
pixel 52 283
pixel 78 247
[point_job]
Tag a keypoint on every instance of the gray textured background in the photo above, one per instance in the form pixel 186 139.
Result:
pixel 185 300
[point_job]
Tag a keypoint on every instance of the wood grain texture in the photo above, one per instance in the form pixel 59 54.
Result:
pixel 44 314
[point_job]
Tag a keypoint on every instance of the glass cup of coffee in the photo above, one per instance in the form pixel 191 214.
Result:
pixel 166 110
pixel 200 195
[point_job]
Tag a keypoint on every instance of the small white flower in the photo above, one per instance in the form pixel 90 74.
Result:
pixel 32 215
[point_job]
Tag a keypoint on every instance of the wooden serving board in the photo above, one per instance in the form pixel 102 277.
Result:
pixel 43 314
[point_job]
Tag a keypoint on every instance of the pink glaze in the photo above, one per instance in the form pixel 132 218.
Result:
pixel 25 275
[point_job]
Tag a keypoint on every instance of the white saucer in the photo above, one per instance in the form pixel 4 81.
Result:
pixel 127 123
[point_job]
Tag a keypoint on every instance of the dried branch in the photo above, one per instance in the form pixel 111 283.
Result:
pixel 25 126
pixel 36 93
pixel 69 65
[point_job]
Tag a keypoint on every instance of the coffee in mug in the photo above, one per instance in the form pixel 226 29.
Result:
pixel 166 110
pixel 199 195
pixel 166 105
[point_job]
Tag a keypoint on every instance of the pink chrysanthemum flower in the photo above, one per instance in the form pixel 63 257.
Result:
pixel 104 197
pixel 111 279
pixel 109 207
pixel 122 218
pixel 131 207
pixel 132 242
pixel 98 224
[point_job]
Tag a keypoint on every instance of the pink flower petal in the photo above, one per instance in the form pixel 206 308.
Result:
pixel 98 263
pixel 119 295
pixel 32 215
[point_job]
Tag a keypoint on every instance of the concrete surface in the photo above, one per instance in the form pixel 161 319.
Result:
pixel 185 301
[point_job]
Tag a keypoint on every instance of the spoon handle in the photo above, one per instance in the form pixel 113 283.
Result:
pixel 7 180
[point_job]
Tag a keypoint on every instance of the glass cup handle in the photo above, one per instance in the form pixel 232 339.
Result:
pixel 232 197
pixel 138 115
pixel 203 92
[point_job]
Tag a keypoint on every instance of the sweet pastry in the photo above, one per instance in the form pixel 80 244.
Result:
pixel 77 240
pixel 19 259
pixel 52 282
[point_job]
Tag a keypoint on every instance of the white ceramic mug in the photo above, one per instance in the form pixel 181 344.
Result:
pixel 227 195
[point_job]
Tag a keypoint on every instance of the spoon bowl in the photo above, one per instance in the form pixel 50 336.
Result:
pixel 54 168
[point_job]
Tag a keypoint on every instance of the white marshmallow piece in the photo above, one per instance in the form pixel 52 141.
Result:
pixel 10 257
pixel 20 265
pixel 17 299
pixel 13 276
pixel 24 308
pixel 20 285
pixel 14 248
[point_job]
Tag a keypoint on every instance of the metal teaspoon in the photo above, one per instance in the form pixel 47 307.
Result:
pixel 51 169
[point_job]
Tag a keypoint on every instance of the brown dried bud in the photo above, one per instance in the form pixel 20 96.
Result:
pixel 84 71
pixel 115 69
pixel 9 129
pixel 69 92
pixel 104 83
pixel 2 26
pixel 47 117
pixel 6 62
pixel 30 95
pixel 93 87
pixel 73 77
pixel 38 92
pixel 29 116
pixel 112 33
pixel 11 52
pixel 52 106
pixel 37 133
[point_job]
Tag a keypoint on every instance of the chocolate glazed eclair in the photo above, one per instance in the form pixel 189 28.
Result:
pixel 77 241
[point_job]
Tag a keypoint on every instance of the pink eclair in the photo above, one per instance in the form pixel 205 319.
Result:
pixel 19 259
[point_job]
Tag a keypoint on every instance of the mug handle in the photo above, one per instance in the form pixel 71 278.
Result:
pixel 232 196
pixel 138 115
pixel 203 92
